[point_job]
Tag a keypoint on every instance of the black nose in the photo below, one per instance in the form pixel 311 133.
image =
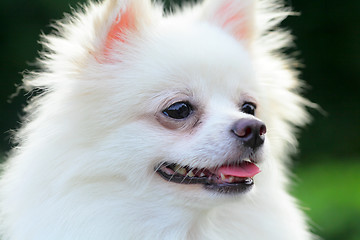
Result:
pixel 251 132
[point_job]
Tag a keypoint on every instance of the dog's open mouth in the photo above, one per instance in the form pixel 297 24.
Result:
pixel 230 178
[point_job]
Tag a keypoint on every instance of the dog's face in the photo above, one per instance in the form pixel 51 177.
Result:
pixel 207 114
pixel 195 112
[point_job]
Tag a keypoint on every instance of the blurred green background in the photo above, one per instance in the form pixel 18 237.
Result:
pixel 327 168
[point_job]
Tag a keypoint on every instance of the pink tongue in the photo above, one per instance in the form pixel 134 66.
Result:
pixel 246 169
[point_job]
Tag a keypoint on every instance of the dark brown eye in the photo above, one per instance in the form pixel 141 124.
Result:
pixel 179 110
pixel 248 108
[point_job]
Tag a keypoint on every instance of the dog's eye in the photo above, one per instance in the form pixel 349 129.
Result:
pixel 248 108
pixel 179 110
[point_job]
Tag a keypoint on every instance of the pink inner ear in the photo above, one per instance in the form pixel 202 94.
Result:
pixel 118 30
pixel 236 19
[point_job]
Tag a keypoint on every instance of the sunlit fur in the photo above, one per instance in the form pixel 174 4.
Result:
pixel 83 167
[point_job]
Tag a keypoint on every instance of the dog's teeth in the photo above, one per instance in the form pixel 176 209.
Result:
pixel 223 177
pixel 181 171
pixel 231 179
pixel 177 167
pixel 202 174
pixel 191 174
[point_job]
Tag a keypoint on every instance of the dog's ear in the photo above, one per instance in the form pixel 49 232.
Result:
pixel 119 23
pixel 234 16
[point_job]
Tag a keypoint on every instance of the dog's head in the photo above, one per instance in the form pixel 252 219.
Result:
pixel 191 104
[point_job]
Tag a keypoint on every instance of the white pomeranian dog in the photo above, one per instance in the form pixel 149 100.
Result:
pixel 158 126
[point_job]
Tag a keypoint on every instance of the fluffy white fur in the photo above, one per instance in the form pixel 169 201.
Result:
pixel 84 164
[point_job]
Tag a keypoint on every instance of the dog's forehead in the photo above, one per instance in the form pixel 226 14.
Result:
pixel 201 56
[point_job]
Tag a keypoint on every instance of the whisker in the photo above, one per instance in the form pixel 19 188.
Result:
pixel 187 175
pixel 159 167
pixel 175 172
